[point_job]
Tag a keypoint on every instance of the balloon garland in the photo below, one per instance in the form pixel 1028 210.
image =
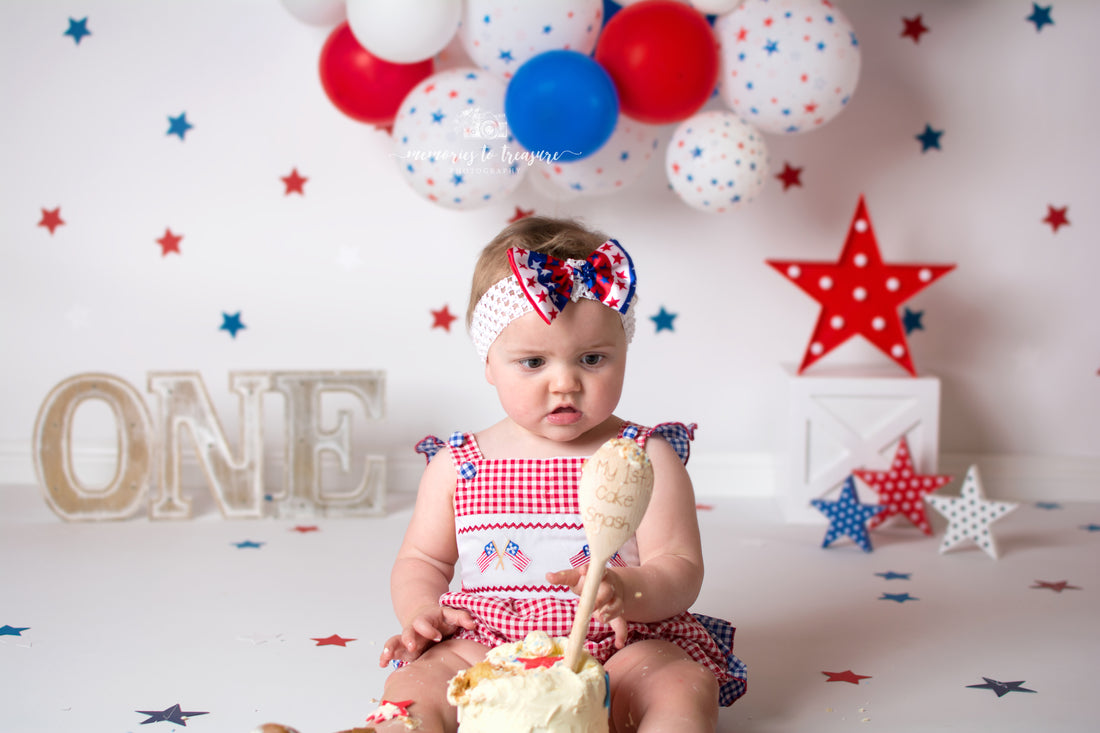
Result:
pixel 576 90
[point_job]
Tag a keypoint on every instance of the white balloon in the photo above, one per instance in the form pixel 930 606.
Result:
pixel 500 36
pixel 617 164
pixel 787 66
pixel 452 143
pixel 714 7
pixel 404 31
pixel 324 13
pixel 716 162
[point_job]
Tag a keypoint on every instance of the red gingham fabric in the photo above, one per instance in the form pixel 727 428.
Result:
pixel 528 486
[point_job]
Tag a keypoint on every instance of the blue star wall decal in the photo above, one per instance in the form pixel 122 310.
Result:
pixel 231 323
pixel 847 516
pixel 1001 688
pixel 78 29
pixel 663 320
pixel 1040 16
pixel 179 125
pixel 169 715
pixel 911 320
pixel 929 138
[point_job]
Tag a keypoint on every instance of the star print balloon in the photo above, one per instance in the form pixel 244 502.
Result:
pixel 716 162
pixel 452 142
pixel 787 66
pixel 499 36
pixel 620 162
pixel 859 294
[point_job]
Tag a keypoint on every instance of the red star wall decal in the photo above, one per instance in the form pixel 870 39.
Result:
pixel 859 294
pixel 334 640
pixel 914 28
pixel 790 176
pixel 1055 217
pixel 846 676
pixel 169 242
pixel 901 489
pixel 520 214
pixel 443 318
pixel 294 183
pixel 51 219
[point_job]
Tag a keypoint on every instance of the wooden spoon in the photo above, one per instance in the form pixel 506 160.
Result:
pixel 614 490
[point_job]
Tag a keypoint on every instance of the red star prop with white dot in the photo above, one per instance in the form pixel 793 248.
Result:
pixel 860 294
pixel 901 489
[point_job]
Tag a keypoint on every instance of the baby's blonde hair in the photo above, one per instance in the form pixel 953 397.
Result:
pixel 561 238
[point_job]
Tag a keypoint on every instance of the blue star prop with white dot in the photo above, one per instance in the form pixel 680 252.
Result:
pixel 1040 16
pixel 929 138
pixel 78 29
pixel 847 516
pixel 663 320
pixel 231 323
pixel 179 125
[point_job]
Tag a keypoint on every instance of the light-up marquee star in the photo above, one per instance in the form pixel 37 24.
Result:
pixel 901 490
pixel 970 515
pixel 859 294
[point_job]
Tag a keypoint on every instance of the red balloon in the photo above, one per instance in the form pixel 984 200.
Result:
pixel 662 56
pixel 363 86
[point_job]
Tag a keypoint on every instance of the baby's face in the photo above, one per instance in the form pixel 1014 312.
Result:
pixel 560 380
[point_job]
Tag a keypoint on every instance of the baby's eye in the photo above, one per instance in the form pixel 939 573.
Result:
pixel 591 359
pixel 532 362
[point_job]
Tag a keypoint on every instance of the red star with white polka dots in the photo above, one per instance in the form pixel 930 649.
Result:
pixel 901 489
pixel 859 294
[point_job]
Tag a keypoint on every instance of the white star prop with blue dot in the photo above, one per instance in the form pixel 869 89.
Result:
pixel 847 516
pixel 970 514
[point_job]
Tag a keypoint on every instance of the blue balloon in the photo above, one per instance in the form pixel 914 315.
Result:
pixel 561 105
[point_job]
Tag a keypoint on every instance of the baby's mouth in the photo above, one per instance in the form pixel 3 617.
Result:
pixel 564 415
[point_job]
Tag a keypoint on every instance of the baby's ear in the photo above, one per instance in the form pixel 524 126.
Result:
pixel 489 373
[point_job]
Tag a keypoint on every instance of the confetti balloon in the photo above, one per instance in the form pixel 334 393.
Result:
pixel 325 13
pixel 499 36
pixel 716 162
pixel 452 142
pixel 620 162
pixel 561 105
pixel 663 58
pixel 787 66
pixel 361 85
pixel 401 31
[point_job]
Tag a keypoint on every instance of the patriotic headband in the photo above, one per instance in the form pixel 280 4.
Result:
pixel 546 285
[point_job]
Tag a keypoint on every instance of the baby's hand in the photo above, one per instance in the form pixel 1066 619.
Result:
pixel 429 626
pixel 609 598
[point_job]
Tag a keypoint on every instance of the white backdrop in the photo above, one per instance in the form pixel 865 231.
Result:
pixel 346 276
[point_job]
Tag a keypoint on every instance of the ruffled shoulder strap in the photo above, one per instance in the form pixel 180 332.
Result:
pixel 464 451
pixel 678 435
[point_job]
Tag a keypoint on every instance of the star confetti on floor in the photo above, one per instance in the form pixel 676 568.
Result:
pixel 1040 16
pixel 334 640
pixel 901 490
pixel 443 318
pixel 304 528
pixel 247 545
pixel 970 515
pixel 78 29
pixel 897 597
pixel 929 139
pixel 1001 688
pixel 847 516
pixel 6 630
pixel 169 715
pixel 891 575
pixel 51 219
pixel 231 322
pixel 846 676
pixel 914 28
pixel 1057 586
pixel 663 320
pixel 790 176
pixel 1056 217
pixel 179 125
pixel 169 243
pixel 294 183
pixel 859 293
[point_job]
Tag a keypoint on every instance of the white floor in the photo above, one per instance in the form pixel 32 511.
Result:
pixel 141 616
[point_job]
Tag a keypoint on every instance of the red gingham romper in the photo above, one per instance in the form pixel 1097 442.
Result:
pixel 516 519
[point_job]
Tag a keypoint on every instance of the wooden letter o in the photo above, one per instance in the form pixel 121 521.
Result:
pixel 52 450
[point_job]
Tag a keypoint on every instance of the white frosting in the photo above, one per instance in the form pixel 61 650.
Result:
pixel 501 694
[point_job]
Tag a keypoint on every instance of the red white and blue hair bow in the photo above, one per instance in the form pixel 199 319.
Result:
pixel 606 275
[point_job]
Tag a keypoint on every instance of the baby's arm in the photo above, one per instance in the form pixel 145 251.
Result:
pixel 424 567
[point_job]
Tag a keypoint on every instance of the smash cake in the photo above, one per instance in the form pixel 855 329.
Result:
pixel 525 687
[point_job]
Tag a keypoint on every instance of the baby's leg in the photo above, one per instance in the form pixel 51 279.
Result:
pixel 425 683
pixel 656 686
